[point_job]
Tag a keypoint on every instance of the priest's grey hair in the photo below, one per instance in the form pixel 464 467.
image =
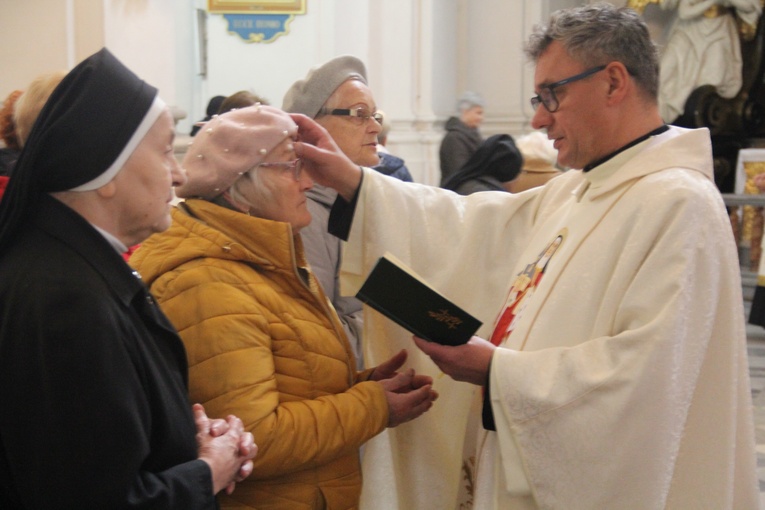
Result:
pixel 598 34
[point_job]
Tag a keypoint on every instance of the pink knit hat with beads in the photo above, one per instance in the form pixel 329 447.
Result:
pixel 229 145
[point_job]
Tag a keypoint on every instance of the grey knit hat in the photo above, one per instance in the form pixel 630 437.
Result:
pixel 308 95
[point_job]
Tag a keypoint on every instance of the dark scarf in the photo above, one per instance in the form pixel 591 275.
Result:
pixel 496 157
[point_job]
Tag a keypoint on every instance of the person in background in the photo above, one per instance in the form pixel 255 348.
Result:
pixel 212 109
pixel 462 137
pixel 539 157
pixel 32 101
pixel 18 115
pixel 95 411
pixel 389 164
pixel 336 94
pixel 263 342
pixel 493 167
pixel 241 99
pixel 614 374
pixel 9 152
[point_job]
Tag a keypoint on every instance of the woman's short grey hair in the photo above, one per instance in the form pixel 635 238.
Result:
pixel 469 100
pixel 259 190
pixel 598 34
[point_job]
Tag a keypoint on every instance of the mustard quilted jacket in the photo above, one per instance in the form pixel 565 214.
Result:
pixel 264 344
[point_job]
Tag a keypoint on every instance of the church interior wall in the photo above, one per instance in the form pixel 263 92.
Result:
pixel 420 55
pixel 36 40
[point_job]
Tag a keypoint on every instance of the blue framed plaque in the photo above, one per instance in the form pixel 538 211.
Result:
pixel 257 28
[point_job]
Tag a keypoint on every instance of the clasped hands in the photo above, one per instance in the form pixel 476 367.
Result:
pixel 408 394
pixel 226 448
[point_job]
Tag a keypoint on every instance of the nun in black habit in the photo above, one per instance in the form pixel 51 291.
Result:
pixel 93 404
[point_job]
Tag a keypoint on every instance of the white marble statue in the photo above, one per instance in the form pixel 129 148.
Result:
pixel 703 48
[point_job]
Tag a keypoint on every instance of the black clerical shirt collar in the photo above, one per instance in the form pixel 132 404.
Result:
pixel 659 130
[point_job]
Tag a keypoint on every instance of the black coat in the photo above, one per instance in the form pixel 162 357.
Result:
pixel 459 143
pixel 496 161
pixel 94 410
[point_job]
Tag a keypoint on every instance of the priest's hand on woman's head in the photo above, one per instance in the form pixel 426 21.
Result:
pixel 323 160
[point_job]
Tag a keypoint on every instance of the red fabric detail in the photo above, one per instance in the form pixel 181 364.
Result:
pixel 3 184
pixel 501 331
pixel 130 251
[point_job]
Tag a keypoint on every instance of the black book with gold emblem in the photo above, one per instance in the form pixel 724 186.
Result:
pixel 397 292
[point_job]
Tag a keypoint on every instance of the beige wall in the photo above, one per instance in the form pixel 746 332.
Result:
pixel 43 35
pixel 420 56
pixel 88 27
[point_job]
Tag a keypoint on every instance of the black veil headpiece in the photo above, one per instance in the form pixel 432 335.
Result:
pixel 81 133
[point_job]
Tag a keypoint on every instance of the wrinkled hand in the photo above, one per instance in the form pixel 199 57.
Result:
pixel 226 448
pixel 389 368
pixel 468 362
pixel 407 396
pixel 324 161
pixel 218 427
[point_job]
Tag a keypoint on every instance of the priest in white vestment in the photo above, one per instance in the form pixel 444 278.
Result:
pixel 615 373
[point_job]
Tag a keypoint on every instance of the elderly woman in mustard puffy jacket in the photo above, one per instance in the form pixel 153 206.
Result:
pixel 263 341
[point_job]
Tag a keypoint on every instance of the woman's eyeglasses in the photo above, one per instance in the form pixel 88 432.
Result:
pixel 359 115
pixel 296 166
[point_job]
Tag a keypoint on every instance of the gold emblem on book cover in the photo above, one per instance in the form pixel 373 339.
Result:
pixel 444 316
